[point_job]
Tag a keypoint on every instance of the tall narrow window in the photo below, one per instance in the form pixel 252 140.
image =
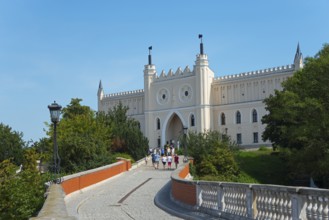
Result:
pixel 255 137
pixel 238 117
pixel 222 119
pixel 158 124
pixel 192 120
pixel 159 142
pixel 239 138
pixel 254 115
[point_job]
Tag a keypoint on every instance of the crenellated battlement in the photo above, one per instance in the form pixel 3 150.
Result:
pixel 172 75
pixel 119 94
pixel 273 70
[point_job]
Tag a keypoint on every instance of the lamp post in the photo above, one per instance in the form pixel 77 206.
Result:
pixel 55 111
pixel 185 146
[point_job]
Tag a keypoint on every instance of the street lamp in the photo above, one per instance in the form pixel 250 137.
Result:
pixel 55 111
pixel 185 146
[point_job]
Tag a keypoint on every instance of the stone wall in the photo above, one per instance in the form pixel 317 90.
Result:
pixel 54 206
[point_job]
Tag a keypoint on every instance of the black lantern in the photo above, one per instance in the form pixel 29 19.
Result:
pixel 185 145
pixel 55 111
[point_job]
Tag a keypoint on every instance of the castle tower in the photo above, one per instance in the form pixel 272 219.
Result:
pixel 100 95
pixel 204 79
pixel 149 76
pixel 298 61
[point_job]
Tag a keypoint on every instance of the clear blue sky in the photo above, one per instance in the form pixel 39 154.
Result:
pixel 58 50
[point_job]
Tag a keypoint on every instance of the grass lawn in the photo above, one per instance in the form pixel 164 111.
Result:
pixel 262 166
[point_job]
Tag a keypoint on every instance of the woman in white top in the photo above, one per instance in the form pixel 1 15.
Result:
pixel 169 159
pixel 164 161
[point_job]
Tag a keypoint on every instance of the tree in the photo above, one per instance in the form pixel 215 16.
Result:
pixel 11 144
pixel 21 193
pixel 213 155
pixel 84 142
pixel 127 136
pixel 298 116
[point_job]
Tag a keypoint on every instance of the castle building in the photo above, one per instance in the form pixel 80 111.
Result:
pixel 197 100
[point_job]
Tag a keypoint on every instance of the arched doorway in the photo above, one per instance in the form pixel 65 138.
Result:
pixel 174 129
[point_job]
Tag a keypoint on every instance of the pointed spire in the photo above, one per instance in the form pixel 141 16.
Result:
pixel 298 61
pixel 150 56
pixel 298 53
pixel 100 86
pixel 100 91
pixel 201 44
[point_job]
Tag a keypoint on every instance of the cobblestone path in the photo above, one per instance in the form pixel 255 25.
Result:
pixel 127 196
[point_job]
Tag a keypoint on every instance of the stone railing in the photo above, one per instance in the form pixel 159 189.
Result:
pixel 250 201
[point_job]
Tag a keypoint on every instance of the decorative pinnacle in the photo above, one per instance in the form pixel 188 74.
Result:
pixel 201 44
pixel 150 57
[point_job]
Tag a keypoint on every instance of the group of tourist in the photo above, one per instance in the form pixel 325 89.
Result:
pixel 166 155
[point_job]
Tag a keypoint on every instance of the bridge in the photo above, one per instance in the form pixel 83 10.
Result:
pixel 125 191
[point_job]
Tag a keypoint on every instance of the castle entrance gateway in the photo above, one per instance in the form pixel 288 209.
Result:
pixel 173 129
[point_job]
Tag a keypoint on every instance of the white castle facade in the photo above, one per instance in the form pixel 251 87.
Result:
pixel 197 100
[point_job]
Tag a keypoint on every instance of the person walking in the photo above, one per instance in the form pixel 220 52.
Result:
pixel 176 160
pixel 156 161
pixel 145 160
pixel 153 159
pixel 169 159
pixel 164 161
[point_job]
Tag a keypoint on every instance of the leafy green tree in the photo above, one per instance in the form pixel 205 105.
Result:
pixel 127 136
pixel 75 108
pixel 21 193
pixel 298 116
pixel 213 155
pixel 11 144
pixel 84 142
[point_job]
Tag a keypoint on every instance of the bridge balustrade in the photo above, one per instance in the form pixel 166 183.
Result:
pixel 249 201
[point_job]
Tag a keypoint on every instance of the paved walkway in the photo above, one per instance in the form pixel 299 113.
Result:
pixel 127 196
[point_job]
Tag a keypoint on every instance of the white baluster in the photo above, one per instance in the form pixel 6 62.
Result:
pixel 266 204
pixel 235 200
pixel 314 208
pixel 326 209
pixel 259 204
pixel 270 202
pixel 263 208
pixel 240 198
pixel 281 204
pixel 320 209
pixel 274 206
pixel 289 207
pixel 285 206
pixel 309 207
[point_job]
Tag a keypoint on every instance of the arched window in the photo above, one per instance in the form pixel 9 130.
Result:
pixel 158 124
pixel 222 119
pixel 254 115
pixel 238 117
pixel 192 119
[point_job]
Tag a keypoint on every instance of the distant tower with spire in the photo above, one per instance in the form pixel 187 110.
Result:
pixel 204 78
pixel 298 61
pixel 100 94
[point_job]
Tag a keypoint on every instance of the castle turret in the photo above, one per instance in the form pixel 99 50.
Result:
pixel 298 61
pixel 204 78
pixel 100 95
pixel 149 76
